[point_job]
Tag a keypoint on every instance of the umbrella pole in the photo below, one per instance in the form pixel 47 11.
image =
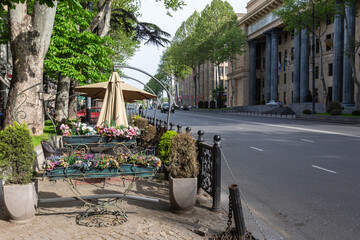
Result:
pixel 146 108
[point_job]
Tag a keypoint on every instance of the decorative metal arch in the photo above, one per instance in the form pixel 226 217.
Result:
pixel 157 99
pixel 167 91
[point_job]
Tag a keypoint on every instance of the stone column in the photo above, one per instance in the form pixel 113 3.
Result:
pixel 268 67
pixel 338 57
pixel 348 85
pixel 297 54
pixel 252 46
pixel 274 64
pixel 304 65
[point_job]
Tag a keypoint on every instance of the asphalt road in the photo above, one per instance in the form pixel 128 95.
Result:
pixel 300 179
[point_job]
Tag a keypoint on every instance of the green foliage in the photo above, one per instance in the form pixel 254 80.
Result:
pixel 336 112
pixel 356 113
pixel 220 97
pixel 154 85
pixel 212 104
pixel 36 140
pixel 183 157
pixel 332 106
pixel 74 51
pixel 16 154
pixel 164 145
pixel 4 27
pixel 306 111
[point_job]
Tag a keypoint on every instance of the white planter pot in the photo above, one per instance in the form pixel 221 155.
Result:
pixel 20 202
pixel 183 193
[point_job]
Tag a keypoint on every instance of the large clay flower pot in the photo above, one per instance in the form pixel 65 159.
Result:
pixel 183 194
pixel 20 202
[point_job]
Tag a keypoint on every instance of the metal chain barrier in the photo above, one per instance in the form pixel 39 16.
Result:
pixel 242 196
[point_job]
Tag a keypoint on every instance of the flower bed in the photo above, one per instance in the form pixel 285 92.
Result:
pixel 101 165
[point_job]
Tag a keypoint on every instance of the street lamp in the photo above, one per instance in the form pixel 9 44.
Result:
pixel 313 57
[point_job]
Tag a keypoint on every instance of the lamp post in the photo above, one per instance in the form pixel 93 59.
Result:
pixel 313 58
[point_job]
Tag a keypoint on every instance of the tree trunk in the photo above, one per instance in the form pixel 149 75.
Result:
pixel 29 40
pixel 322 78
pixel 73 96
pixel 102 18
pixel 62 99
pixel 232 83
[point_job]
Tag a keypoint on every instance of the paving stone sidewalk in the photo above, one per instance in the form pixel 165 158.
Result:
pixel 146 220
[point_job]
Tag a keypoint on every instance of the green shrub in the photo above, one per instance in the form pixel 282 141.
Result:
pixel 164 145
pixel 356 113
pixel 306 111
pixel 141 123
pixel 332 106
pixel 16 154
pixel 183 161
pixel 336 112
pixel 212 104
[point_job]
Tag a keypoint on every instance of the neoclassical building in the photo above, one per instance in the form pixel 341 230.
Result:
pixel 277 64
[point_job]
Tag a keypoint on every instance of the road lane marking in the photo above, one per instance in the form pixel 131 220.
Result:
pixel 324 169
pixel 258 149
pixel 267 133
pixel 306 140
pixel 282 126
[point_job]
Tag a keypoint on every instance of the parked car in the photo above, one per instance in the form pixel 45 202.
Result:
pixel 184 107
pixel 274 103
pixel 94 113
pixel 165 108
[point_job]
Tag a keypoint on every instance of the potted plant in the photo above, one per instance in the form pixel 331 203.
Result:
pixel 183 171
pixel 16 169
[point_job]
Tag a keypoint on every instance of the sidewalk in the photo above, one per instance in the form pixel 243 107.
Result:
pixel 146 220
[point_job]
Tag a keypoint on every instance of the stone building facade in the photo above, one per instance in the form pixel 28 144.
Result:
pixel 277 65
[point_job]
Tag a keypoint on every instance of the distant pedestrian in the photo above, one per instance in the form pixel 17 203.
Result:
pixel 140 110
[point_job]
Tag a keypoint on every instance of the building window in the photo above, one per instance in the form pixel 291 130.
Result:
pixel 316 72
pixel 280 61
pixel 328 42
pixel 226 70
pixel 292 77
pixel 279 39
pixel 263 63
pixel 292 53
pixel 284 78
pixel 292 34
pixel 263 82
pixel 285 37
pixel 330 69
pixel 221 70
pixel 292 95
pixel 284 96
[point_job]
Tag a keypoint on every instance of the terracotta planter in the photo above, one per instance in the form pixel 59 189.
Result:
pixel 20 202
pixel 183 194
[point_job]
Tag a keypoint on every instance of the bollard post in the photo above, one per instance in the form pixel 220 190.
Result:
pixel 199 153
pixel 179 128
pixel 237 211
pixel 171 126
pixel 216 184
pixel 188 130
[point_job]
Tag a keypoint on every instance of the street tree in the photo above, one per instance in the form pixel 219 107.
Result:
pixel 309 15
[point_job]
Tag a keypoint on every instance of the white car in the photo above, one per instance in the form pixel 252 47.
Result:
pixel 274 103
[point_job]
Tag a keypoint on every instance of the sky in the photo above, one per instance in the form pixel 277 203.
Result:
pixel 148 56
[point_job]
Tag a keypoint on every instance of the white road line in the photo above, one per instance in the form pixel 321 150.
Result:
pixel 306 140
pixel 324 169
pixel 258 149
pixel 267 133
pixel 282 126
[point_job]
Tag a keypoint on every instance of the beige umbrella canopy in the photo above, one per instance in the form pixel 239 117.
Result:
pixel 113 108
pixel 130 93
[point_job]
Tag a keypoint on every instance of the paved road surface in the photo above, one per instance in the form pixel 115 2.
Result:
pixel 300 178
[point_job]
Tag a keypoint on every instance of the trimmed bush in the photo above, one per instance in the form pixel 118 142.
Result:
pixel 201 104
pixel 306 111
pixel 212 104
pixel 165 144
pixel 141 123
pixel 356 113
pixel 149 133
pixel 206 104
pixel 183 162
pixel 16 154
pixel 336 112
pixel 332 106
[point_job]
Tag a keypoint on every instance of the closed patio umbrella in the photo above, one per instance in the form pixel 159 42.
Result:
pixel 113 107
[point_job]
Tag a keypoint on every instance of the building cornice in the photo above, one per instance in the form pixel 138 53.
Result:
pixel 259 12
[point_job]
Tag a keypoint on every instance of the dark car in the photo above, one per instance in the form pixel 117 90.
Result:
pixel 94 113
pixel 184 107
pixel 165 108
